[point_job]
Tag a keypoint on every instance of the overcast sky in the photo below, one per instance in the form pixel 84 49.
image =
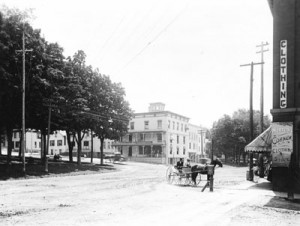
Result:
pixel 184 53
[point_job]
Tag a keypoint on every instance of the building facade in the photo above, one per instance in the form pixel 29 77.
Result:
pixel 286 92
pixel 58 144
pixel 160 136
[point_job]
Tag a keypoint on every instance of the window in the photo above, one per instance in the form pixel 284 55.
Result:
pixel 108 145
pixel 190 145
pixel 15 134
pixel 183 140
pixel 177 125
pixel 131 125
pixel 184 151
pixel 85 143
pixel 130 138
pixel 171 150
pixel 40 144
pixel 159 124
pixel 177 139
pixel 59 142
pixel 146 124
pixel 17 144
pixel 52 143
pixel 181 127
pixel 141 136
pixel 173 125
pixel 65 140
pixel 35 144
pixel 141 150
pixel 169 124
pixel 159 137
pixel 177 150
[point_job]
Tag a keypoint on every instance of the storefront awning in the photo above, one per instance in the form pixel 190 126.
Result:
pixel 262 143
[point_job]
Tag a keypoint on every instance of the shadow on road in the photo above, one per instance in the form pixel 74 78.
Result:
pixel 37 169
pixel 277 201
pixel 283 203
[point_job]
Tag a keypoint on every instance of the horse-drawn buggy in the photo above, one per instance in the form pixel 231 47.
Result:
pixel 181 176
pixel 190 175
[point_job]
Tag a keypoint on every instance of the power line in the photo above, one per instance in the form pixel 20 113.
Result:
pixel 97 115
pixel 153 40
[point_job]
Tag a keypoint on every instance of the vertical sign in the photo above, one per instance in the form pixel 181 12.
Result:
pixel 282 143
pixel 283 73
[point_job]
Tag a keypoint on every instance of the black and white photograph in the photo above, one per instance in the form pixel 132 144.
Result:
pixel 150 112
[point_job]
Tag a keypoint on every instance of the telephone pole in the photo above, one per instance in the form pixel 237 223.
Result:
pixel 262 50
pixel 251 116
pixel 23 99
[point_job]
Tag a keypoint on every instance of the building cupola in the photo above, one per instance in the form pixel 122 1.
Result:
pixel 158 106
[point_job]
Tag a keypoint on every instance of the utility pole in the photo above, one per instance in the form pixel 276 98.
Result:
pixel 23 99
pixel 262 50
pixel 251 116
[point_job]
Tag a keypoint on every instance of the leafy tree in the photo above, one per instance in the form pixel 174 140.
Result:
pixel 67 89
pixel 114 112
pixel 11 27
pixel 75 100
pixel 232 134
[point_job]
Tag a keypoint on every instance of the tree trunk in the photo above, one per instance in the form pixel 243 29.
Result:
pixel 0 143
pixel 101 150
pixel 70 145
pixel 79 138
pixel 92 147
pixel 9 133
pixel 44 145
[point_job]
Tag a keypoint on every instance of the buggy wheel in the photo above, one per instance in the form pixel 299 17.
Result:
pixel 189 180
pixel 197 180
pixel 170 175
pixel 181 179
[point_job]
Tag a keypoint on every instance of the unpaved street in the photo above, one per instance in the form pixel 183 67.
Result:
pixel 137 194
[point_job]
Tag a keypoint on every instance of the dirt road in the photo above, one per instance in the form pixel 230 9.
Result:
pixel 137 194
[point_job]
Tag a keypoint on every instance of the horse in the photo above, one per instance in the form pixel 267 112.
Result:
pixel 202 169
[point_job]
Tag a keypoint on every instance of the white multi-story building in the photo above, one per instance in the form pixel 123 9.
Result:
pixel 160 136
pixel 58 144
pixel 33 141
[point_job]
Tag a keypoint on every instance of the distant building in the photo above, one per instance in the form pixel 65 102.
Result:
pixel 58 144
pixel 161 136
pixel 33 141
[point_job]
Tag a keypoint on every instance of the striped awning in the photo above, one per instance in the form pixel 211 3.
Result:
pixel 262 143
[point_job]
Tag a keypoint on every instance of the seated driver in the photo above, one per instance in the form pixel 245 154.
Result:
pixel 179 164
pixel 188 163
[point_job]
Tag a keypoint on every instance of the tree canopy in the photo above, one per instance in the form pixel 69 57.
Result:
pixel 230 134
pixel 79 97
